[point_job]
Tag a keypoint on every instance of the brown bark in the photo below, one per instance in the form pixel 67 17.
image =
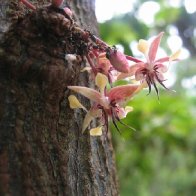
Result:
pixel 42 149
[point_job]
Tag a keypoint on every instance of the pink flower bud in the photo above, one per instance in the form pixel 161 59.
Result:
pixel 118 60
pixel 68 11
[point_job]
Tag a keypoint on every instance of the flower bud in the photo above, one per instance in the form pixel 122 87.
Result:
pixel 118 61
pixel 68 12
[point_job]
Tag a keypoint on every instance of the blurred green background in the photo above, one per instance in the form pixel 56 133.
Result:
pixel 159 159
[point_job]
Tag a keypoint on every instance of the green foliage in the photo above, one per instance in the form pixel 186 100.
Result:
pixel 158 159
pixel 167 15
pixel 122 30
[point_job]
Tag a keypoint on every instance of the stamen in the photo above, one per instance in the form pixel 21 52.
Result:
pixel 161 82
pixel 114 123
pixel 148 81
pixel 91 64
pixel 155 87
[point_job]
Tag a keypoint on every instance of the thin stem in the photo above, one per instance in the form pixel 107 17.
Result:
pixel 132 59
pixel 28 4
pixel 91 64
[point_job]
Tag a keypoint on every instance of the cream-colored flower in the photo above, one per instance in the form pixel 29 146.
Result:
pixel 75 103
pixel 143 46
pixel 96 131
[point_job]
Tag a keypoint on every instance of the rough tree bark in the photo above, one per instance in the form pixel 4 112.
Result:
pixel 42 149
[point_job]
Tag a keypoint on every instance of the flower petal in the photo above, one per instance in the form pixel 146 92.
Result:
pixel 120 93
pixel 130 58
pixel 104 64
pixel 132 70
pixel 122 76
pixel 122 112
pixel 128 109
pixel 75 103
pixel 175 55
pixel 143 46
pixel 87 92
pixel 101 81
pixel 88 118
pixel 160 76
pixel 119 61
pixel 161 68
pixel 92 114
pixel 162 60
pixel 154 47
pixel 96 131
pixel 140 74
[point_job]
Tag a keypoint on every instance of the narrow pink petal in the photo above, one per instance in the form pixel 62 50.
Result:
pixel 162 60
pixel 132 70
pixel 154 47
pixel 160 76
pixel 161 68
pixel 120 93
pixel 139 75
pixel 87 92
pixel 137 66
pixel 130 58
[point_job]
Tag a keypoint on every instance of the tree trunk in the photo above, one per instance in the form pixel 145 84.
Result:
pixel 42 149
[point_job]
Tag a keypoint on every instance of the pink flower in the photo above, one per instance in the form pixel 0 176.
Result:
pixel 106 103
pixel 100 64
pixel 153 69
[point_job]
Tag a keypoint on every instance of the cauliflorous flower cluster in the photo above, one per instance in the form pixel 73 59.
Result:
pixel 106 65
pixel 112 65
